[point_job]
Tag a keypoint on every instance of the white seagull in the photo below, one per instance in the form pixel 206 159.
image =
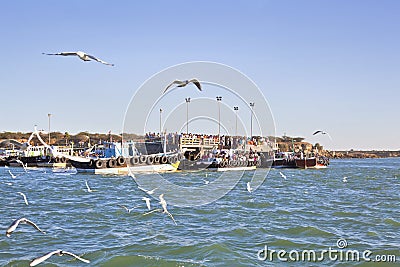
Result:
pixel 322 132
pixel 88 188
pixel 283 176
pixel 183 84
pixel 249 187
pixel 147 202
pixel 23 166
pixel 25 199
pixel 15 224
pixel 82 55
pixel 344 179
pixel 150 192
pixel 126 208
pixel 56 252
pixel 164 206
pixel 12 175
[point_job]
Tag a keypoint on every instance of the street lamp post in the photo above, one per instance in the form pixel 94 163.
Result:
pixel 160 121
pixel 49 115
pixel 219 99
pixel 236 111
pixel 251 119
pixel 187 114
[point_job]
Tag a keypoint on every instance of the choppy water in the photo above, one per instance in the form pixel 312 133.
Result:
pixel 311 210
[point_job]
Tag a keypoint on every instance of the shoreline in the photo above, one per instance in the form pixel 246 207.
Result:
pixel 361 154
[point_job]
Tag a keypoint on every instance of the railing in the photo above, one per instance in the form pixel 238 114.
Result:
pixel 195 141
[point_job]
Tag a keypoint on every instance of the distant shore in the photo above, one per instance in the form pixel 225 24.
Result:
pixel 361 154
pixel 284 143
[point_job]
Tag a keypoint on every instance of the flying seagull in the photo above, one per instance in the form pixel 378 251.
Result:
pixel 12 175
pixel 164 206
pixel 15 224
pixel 81 55
pixel 56 252
pixel 147 202
pixel 150 192
pixel 249 187
pixel 283 176
pixel 25 199
pixel 126 208
pixel 184 83
pixel 88 188
pixel 23 166
pixel 319 131
pixel 322 132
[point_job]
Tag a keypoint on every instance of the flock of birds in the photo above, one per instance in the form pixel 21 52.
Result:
pixel 24 221
pixel 177 83
pixel 164 209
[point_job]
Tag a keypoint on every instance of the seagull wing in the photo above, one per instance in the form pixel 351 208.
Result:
pixel 25 199
pixel 32 224
pixel 12 175
pixel 124 207
pixel 13 226
pixel 87 186
pixel 75 256
pixel 196 82
pixel 317 132
pixel 248 187
pixel 171 84
pixel 172 217
pixel 99 60
pixel 148 204
pixel 44 257
pixel 62 54
pixel 147 213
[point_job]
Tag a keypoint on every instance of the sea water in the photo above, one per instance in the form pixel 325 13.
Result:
pixel 309 212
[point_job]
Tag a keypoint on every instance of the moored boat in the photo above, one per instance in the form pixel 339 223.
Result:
pixel 312 163
pixel 112 158
pixel 205 152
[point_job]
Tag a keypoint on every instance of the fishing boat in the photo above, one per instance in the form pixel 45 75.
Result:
pixel 284 160
pixel 207 152
pixel 312 162
pixel 123 159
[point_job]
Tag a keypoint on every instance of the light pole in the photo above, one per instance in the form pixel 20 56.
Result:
pixel 49 115
pixel 251 119
pixel 219 99
pixel 160 121
pixel 187 114
pixel 236 111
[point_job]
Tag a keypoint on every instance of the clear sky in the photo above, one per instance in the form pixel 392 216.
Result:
pixel 329 65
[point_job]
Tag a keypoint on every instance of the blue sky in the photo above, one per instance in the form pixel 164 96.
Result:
pixel 331 65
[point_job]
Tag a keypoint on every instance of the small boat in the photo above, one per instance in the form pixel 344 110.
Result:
pixel 312 163
pixel 284 160
pixel 112 158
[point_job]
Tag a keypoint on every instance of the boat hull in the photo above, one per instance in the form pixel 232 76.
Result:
pixel 309 163
pixel 112 166
pixel 162 168
pixel 249 168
